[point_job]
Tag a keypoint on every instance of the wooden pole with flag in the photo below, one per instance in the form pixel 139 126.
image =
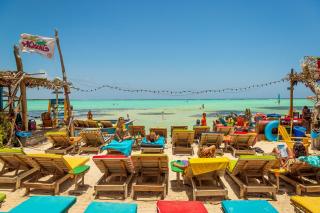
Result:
pixel 65 87
pixel 23 89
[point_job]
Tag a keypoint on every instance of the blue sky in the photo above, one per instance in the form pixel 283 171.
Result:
pixel 168 44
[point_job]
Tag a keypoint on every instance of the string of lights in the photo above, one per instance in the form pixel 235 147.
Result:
pixel 180 92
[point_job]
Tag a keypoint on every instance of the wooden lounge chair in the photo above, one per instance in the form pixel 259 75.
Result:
pixel 55 170
pixel 155 168
pixel 106 124
pixel 291 140
pixel 117 173
pixel 226 130
pixel 93 124
pixel 249 172
pixel 182 141
pixel 305 204
pixel 61 143
pixel 209 139
pixel 93 141
pixel 204 174
pixel 152 147
pixel 177 127
pixel 242 144
pixel 16 166
pixel 304 177
pixel 160 131
pixel 46 120
pixel 198 130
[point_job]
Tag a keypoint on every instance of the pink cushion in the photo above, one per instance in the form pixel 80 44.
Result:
pixel 165 206
pixel 108 156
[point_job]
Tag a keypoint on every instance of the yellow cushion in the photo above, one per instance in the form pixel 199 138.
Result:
pixel 70 161
pixel 56 133
pixel 73 162
pixel 205 165
pixel 311 204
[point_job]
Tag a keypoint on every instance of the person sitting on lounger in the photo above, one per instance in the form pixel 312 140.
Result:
pixel 285 155
pixel 121 132
pixel 207 152
pixel 204 119
pixel 153 137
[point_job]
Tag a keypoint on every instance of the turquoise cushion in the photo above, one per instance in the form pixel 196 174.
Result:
pixel 125 147
pixel 109 207
pixel 311 160
pixel 245 206
pixel 45 204
pixel 159 143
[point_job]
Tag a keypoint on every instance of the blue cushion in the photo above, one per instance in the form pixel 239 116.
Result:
pixel 125 147
pixel 159 143
pixel 245 206
pixel 45 204
pixel 108 207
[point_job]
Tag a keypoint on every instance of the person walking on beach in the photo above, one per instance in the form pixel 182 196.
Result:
pixel 204 119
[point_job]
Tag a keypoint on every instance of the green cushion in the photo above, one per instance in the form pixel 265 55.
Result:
pixel 11 150
pixel 232 164
pixel 174 168
pixel 2 197
pixel 79 170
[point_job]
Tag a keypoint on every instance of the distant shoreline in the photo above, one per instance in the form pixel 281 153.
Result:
pixel 166 99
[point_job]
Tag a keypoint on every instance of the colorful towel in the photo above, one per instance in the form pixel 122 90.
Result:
pixel 109 207
pixel 47 204
pixel 311 160
pixel 159 143
pixel 244 206
pixel 165 206
pixel 125 147
pixel 199 166
pixel 309 203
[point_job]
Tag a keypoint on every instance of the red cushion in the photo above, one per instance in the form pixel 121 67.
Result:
pixel 165 206
pixel 108 156
pixel 240 132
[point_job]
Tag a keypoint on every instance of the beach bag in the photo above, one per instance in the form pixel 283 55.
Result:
pixel 299 149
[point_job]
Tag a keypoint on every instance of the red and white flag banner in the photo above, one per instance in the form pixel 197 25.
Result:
pixel 37 44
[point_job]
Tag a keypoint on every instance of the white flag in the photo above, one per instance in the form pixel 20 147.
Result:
pixel 38 44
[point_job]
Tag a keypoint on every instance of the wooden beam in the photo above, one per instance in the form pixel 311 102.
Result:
pixel 23 90
pixel 291 94
pixel 69 122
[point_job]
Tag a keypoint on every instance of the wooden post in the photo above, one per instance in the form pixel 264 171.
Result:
pixel 291 100
pixel 23 90
pixel 65 86
pixel 1 98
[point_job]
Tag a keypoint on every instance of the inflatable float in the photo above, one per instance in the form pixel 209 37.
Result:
pixel 268 130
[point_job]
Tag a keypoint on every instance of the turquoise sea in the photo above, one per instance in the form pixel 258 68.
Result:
pixel 108 107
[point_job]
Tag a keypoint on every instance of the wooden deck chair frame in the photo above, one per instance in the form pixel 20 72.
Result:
pixel 177 127
pixel 241 144
pixel 151 149
pixel 59 171
pixel 226 130
pixel 209 139
pixel 299 177
pixel 216 188
pixel 198 130
pixel 182 141
pixel 20 165
pixel 114 168
pixel 253 168
pixel 150 165
pixel 60 144
pixel 93 124
pixel 160 131
pixel 93 144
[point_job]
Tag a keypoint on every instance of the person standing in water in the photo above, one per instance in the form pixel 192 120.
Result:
pixel 89 115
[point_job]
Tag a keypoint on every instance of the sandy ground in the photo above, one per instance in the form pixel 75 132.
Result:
pixel 147 201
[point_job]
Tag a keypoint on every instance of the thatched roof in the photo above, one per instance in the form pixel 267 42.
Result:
pixel 9 78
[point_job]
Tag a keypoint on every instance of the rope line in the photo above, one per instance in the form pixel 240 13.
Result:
pixel 180 92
